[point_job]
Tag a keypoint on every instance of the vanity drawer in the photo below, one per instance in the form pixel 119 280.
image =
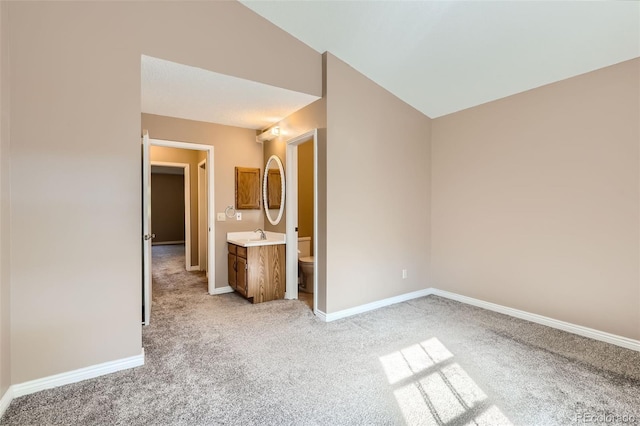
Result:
pixel 241 251
pixel 232 248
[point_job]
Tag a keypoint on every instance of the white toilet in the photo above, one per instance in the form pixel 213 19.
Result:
pixel 305 261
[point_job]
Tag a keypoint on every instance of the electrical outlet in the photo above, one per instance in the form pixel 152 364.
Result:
pixel 238 216
pixel 404 274
pixel 222 217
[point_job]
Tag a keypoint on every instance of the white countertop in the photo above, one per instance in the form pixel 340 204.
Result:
pixel 252 239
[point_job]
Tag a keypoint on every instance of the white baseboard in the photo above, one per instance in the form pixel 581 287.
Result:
pixel 76 375
pixel 166 243
pixel 6 400
pixel 193 268
pixel 375 305
pixel 321 315
pixel 591 333
pixel 222 290
pixel 539 319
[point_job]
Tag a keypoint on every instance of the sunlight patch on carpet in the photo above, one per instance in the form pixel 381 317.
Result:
pixel 432 389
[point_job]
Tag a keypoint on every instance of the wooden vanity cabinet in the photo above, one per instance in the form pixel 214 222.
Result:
pixel 257 273
pixel 237 262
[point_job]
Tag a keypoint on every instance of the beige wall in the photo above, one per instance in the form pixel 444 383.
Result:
pixel 75 153
pixel 167 208
pixel 5 294
pixel 233 146
pixel 373 195
pixel 305 191
pixel 186 156
pixel 377 189
pixel 535 201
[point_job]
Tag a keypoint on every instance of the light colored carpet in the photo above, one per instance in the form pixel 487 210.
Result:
pixel 220 360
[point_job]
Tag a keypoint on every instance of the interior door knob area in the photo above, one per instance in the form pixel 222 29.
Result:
pixel 148 237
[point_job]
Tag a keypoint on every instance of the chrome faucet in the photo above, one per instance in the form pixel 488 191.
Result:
pixel 262 234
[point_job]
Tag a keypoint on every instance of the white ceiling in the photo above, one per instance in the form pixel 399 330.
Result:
pixel 445 56
pixel 192 93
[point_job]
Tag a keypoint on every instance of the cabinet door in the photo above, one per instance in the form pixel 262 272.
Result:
pixel 241 276
pixel 232 264
pixel 247 188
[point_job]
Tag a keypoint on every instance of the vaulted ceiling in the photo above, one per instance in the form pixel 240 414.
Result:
pixel 445 56
pixel 438 56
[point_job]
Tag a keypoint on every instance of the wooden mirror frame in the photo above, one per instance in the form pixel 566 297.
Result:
pixel 265 194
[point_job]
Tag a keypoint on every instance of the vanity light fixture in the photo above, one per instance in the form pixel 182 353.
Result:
pixel 268 135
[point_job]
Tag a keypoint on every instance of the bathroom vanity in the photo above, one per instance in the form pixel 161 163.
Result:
pixel 256 266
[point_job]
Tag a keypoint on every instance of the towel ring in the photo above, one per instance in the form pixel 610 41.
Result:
pixel 230 212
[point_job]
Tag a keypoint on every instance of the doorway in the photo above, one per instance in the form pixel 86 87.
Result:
pixel 168 228
pixel 293 214
pixel 146 217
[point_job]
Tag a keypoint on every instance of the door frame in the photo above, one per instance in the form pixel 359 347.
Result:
pixel 210 200
pixel 147 282
pixel 202 167
pixel 292 215
pixel 187 208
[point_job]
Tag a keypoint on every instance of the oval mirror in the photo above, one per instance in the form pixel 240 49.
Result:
pixel 273 189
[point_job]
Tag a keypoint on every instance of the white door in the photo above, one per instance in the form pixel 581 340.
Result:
pixel 147 236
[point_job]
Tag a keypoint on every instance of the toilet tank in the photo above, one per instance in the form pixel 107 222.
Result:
pixel 304 247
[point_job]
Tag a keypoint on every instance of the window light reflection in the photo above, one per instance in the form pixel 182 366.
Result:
pixel 432 389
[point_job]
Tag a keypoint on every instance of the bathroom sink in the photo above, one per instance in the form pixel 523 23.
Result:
pixel 252 239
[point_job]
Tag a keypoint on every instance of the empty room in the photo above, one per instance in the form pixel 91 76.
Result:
pixel 392 212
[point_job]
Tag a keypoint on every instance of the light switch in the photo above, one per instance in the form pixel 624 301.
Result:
pixel 221 217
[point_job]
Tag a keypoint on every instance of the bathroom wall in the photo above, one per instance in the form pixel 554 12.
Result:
pixel 305 191
pixel 536 201
pixel 75 159
pixel 278 148
pixel 313 116
pixel 167 208
pixel 191 157
pixel 5 237
pixel 233 146
pixel 378 172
